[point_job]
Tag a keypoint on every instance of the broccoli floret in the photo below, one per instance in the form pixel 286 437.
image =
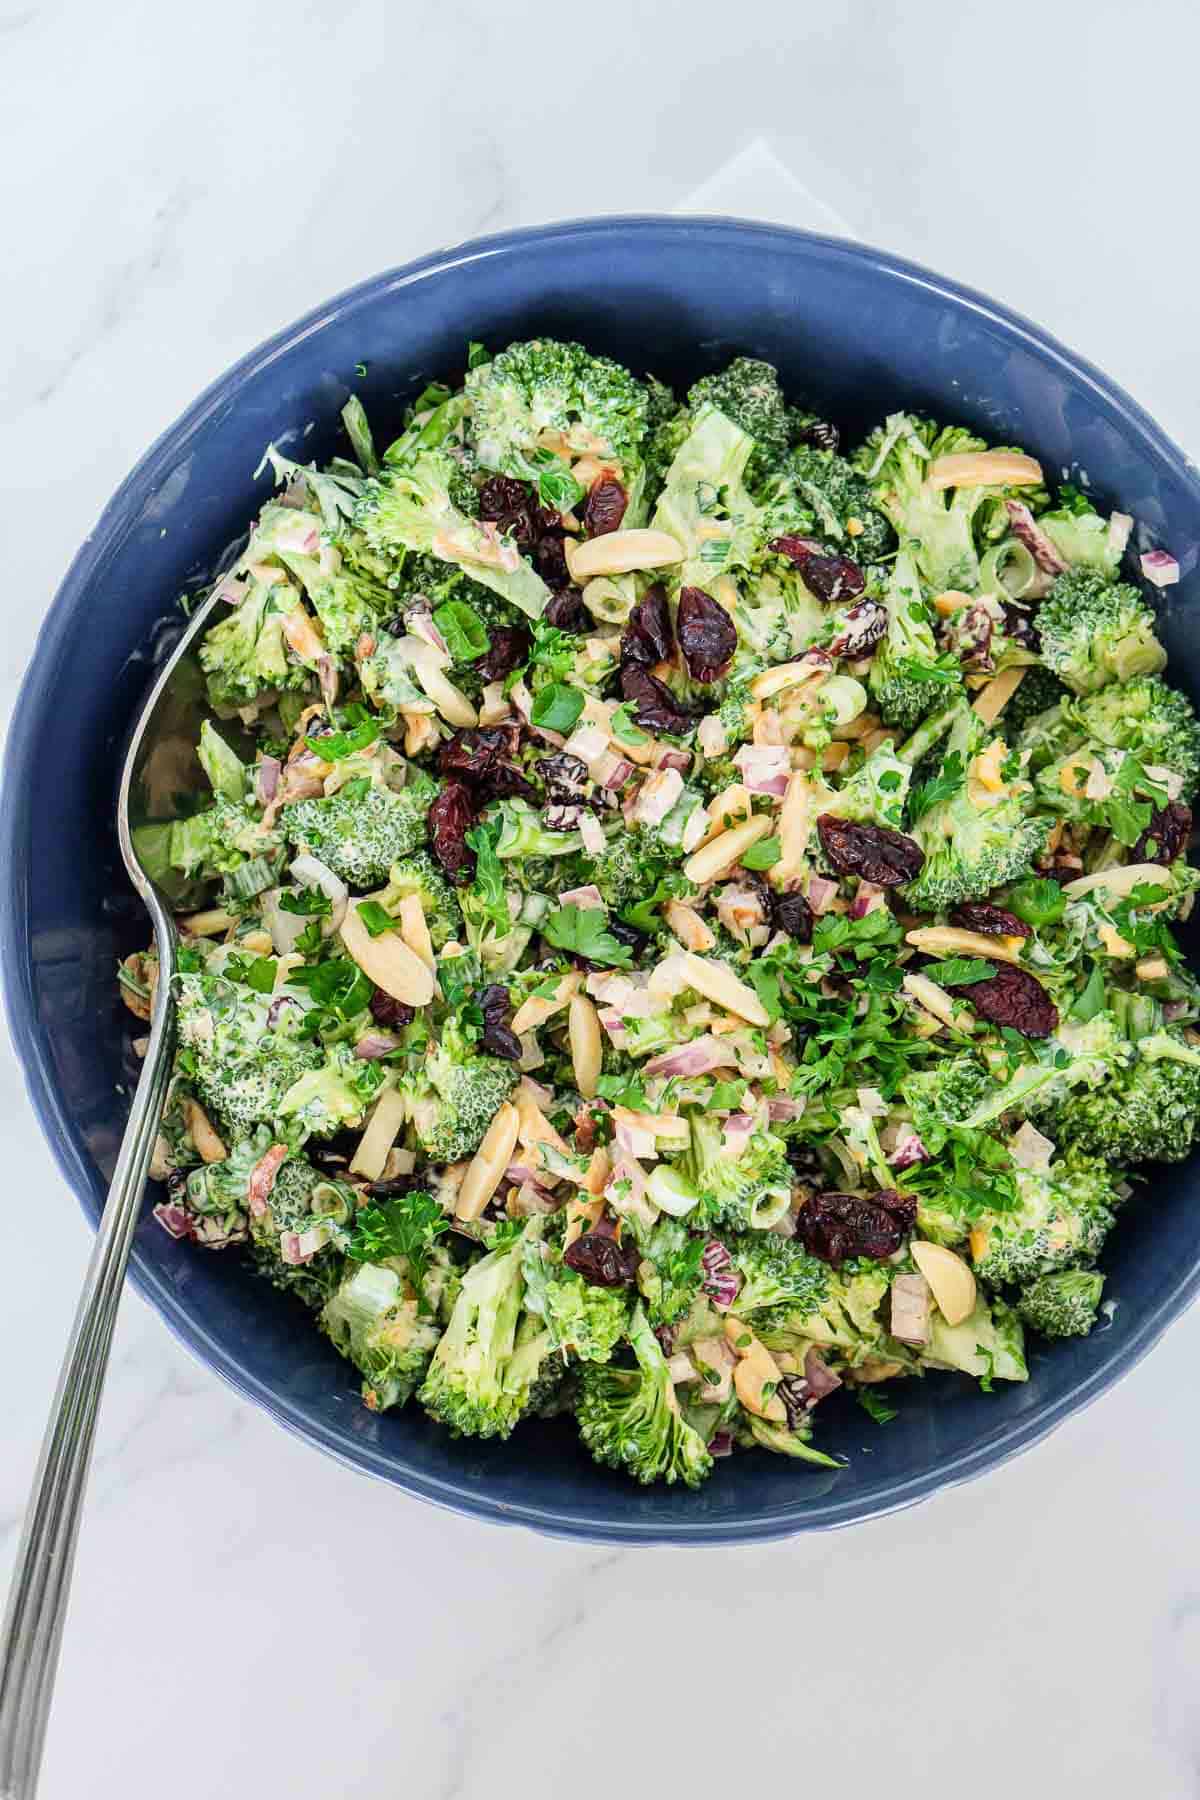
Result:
pixel 751 1190
pixel 1043 738
pixel 483 1373
pixel 670 1274
pixel 335 1096
pixel 1095 631
pixel 748 392
pixel 460 1094
pixel 1150 1113
pixel 905 674
pixel 242 1068
pixel 1081 534
pixel 939 522
pixel 374 1319
pixel 819 493
pixel 946 1094
pixel 584 1321
pixel 846 1321
pixel 215 1195
pixel 667 424
pixel 990 1344
pixel 302 1229
pixel 347 604
pixel 975 838
pixel 1078 1056
pixel 630 1418
pixel 248 651
pixel 1063 1303
pixel 1147 718
pixel 417 504
pixel 629 870
pixel 705 505
pixel 419 874
pixel 877 790
pixel 1064 1215
pixel 360 835
pixel 778 1277
pixel 1039 691
pixel 593 403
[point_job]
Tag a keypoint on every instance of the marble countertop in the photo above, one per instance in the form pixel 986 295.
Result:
pixel 249 1618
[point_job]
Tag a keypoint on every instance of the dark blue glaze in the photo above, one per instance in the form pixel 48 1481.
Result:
pixel 861 333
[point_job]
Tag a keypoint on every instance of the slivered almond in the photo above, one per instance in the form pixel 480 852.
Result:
pixel 598 1171
pixel 688 926
pixel 949 1278
pixel 303 635
pixel 533 1127
pixel 717 981
pixel 795 824
pixel 208 924
pixel 620 552
pixel 1152 968
pixel 952 940
pixel 936 1001
pixel 387 960
pixel 537 1009
pixel 1113 942
pixel 427 666
pixel 415 931
pixel 990 702
pixel 486 1169
pixel 202 1133
pixel 420 732
pixel 984 468
pixel 720 853
pixel 1117 881
pixel 383 1128
pixel 587 1051
pixel 789 675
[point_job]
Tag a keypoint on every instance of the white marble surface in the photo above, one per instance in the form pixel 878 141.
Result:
pixel 249 1618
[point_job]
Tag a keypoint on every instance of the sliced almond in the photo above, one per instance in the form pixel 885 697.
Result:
pixel 202 1132
pixel 538 1008
pixel 688 926
pixel 415 931
pixel 486 1169
pixel 1152 968
pixel 991 700
pixel 383 1128
pixel 757 1375
pixel 936 1001
pixel 951 601
pixel 587 1052
pixel 420 732
pixel 721 853
pixel 717 981
pixel 950 1279
pixel 1113 942
pixel 387 961
pixel 427 666
pixel 208 924
pixel 533 1126
pixel 620 552
pixel 984 468
pixel 795 825
pixel 790 675
pixel 951 940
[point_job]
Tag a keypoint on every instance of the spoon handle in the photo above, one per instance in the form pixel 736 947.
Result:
pixel 37 1604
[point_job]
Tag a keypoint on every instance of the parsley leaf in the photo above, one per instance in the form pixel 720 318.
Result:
pixel 872 1403
pixel 584 930
pixel 404 1225
pixel 939 788
pixel 959 971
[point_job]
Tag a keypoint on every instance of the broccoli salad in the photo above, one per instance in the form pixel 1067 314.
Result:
pixel 689 908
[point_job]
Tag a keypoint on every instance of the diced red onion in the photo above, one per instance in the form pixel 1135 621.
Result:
pixel 267 779
pixel 539 1092
pixel 421 624
pixel 667 758
pixel 820 893
pixel 820 1378
pixel 518 1173
pixel 715 1257
pixel 635 1140
pixel 1119 527
pixel 312 1240
pixel 695 1058
pixel 592 833
pixel 289 1248
pixel 588 896
pixel 300 534
pixel 376 1044
pixel 765 767
pixel 614 1025
pixel 721 1444
pixel 275 1010
pixel 780 1108
pixel 722 1290
pixel 682 1369
pixel 1160 567
pixel 174 1220
pixel 658 795
pixel 735 1133
pixel 910 1150
pixel 232 590
pixel 1044 551
pixel 868 899
pixel 262 1178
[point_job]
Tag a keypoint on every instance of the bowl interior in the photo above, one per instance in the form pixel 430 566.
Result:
pixel 857 332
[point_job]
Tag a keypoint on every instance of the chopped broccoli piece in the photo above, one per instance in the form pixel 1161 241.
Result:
pixel 1039 691
pixel 247 651
pixel 299 1236
pixel 906 679
pixel 460 1094
pixel 778 1275
pixel 359 836
pixel 752 1190
pixel 242 1067
pixel 522 833
pixel 748 392
pixel 818 493
pixel 1064 1216
pixel 877 790
pixel 1063 1303
pixel 1095 631
pixel 989 1345
pixel 373 1318
pixel 975 838
pixel 482 1375
pixel 419 874
pixel 630 1418
pixel 670 1273
pixel 347 604
pixel 704 504
pixel 584 1321
pixel 1081 535
pixel 1147 718
pixel 335 1096
pixel 1150 1113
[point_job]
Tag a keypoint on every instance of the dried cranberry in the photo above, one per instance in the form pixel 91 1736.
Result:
pixel 550 561
pixel 629 935
pixel 793 914
pixel 835 1226
pixel 1166 836
pixel 484 758
pixel 451 816
pixel 992 921
pixel 656 707
pixel 506 502
pixel 605 506
pixel 647 636
pixel 567 611
pixel 820 435
pixel 563 815
pixel 600 1260
pixel 499 1038
pixel 395 1014
pixel 969 637
pixel 413 1183
pixel 1021 629
pixel 875 853
pixel 803 1161
pixel 566 777
pixel 828 577
pixel 863 627
pixel 706 632
pixel 1013 997
pixel 509 648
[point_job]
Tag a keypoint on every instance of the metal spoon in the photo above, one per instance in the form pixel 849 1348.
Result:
pixel 156 780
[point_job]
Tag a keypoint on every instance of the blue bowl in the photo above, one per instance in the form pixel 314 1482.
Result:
pixel 861 333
